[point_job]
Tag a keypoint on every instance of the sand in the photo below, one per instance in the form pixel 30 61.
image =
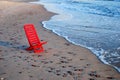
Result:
pixel 61 60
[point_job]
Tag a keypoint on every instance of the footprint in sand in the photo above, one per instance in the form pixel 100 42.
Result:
pixel 2 59
pixel 56 55
pixel 93 74
pixel 1 33
pixel 67 44
pixel 72 53
pixel 110 78
pixel 20 72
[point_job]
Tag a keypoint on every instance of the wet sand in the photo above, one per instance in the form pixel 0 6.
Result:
pixel 61 60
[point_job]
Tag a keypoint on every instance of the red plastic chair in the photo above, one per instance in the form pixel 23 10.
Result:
pixel 33 39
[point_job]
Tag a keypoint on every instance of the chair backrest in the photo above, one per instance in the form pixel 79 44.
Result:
pixel 31 34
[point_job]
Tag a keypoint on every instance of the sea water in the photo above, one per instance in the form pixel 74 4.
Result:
pixel 94 24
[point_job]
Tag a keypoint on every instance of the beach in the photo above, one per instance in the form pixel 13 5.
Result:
pixel 61 60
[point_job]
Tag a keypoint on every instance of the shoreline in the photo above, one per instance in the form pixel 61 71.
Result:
pixel 61 60
pixel 87 49
pixel 90 49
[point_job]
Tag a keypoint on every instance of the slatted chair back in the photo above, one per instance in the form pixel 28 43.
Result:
pixel 33 39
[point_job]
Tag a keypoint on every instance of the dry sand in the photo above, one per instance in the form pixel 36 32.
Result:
pixel 61 59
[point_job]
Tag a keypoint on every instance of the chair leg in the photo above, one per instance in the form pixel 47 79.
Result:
pixel 29 48
pixel 38 49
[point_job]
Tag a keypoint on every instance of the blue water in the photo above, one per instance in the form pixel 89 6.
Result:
pixel 94 24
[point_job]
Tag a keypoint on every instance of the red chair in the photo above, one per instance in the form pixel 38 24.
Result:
pixel 33 39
